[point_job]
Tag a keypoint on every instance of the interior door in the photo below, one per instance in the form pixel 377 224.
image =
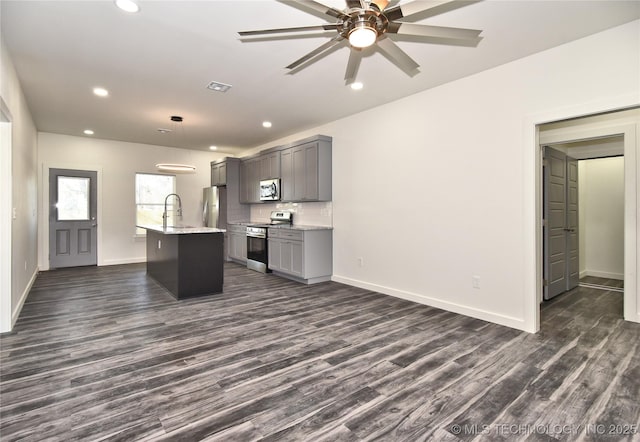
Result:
pixel 573 260
pixel 560 235
pixel 72 218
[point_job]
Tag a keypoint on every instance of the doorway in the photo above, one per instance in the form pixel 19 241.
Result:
pixel 616 134
pixel 583 216
pixel 73 218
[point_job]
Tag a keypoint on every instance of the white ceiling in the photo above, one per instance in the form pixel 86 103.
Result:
pixel 157 63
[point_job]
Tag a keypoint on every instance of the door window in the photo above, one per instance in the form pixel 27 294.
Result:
pixel 73 198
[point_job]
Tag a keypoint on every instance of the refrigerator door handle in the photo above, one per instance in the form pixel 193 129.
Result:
pixel 205 211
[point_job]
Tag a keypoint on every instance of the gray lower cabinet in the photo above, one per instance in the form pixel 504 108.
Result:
pixel 237 247
pixel 301 255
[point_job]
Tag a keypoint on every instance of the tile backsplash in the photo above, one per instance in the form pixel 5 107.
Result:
pixel 307 214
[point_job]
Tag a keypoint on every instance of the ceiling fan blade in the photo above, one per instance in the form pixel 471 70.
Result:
pixel 325 27
pixel 323 9
pixel 319 50
pixel 352 4
pixel 398 56
pixel 415 7
pixel 355 57
pixel 432 31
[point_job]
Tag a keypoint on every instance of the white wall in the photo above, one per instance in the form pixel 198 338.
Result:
pixel 601 196
pixel 24 229
pixel 117 163
pixel 437 187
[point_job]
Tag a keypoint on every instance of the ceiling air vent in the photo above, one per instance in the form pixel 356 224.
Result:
pixel 218 87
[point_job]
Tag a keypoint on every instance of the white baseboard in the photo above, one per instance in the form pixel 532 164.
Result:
pixel 507 321
pixel 599 274
pixel 16 311
pixel 115 262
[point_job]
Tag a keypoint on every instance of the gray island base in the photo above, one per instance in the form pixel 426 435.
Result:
pixel 187 262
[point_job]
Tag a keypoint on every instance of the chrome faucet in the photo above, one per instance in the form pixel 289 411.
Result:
pixel 165 215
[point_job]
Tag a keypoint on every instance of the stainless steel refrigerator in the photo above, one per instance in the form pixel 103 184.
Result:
pixel 214 207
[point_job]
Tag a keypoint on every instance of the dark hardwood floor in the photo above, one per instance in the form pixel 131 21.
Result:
pixel 104 353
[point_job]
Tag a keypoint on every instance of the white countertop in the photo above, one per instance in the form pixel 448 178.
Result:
pixel 183 230
pixel 280 226
pixel 301 227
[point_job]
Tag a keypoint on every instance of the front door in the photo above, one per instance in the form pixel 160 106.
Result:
pixel 561 264
pixel 72 218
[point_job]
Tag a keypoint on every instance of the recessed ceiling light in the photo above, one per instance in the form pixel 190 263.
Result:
pixel 127 5
pixel 100 91
pixel 213 147
pixel 357 86
pixel 266 124
pixel 88 132
pixel 163 130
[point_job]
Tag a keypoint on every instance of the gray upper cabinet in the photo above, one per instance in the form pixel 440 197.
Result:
pixel 250 180
pixel 306 171
pixel 270 165
pixel 218 173
pixel 262 167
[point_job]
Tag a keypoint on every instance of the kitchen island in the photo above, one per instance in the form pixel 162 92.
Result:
pixel 187 261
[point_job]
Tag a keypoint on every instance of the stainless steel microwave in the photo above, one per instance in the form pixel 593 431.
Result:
pixel 270 190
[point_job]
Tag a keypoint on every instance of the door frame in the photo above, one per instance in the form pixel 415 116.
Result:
pixel 6 223
pixel 43 176
pixel 532 173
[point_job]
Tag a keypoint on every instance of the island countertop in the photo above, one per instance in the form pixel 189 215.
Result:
pixel 181 230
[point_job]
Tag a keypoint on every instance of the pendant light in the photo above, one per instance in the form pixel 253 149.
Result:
pixel 173 167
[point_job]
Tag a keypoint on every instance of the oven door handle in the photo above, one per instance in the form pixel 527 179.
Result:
pixel 256 235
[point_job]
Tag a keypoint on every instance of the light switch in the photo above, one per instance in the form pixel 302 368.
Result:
pixel 14 213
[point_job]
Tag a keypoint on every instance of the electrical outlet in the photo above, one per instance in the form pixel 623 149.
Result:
pixel 361 262
pixel 475 282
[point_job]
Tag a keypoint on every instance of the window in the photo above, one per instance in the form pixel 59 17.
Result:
pixel 151 191
pixel 73 198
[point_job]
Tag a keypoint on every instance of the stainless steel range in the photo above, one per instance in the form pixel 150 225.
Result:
pixel 257 241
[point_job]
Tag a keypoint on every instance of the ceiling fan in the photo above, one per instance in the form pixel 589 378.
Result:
pixel 367 22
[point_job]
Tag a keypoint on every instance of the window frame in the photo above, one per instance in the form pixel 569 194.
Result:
pixel 142 232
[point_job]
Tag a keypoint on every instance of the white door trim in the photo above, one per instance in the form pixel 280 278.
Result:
pixel 532 199
pixel 631 167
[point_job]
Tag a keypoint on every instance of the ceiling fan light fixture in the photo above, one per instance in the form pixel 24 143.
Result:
pixel 362 36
